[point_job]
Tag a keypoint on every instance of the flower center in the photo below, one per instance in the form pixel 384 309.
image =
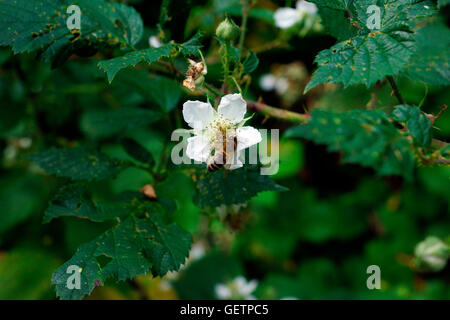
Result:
pixel 219 128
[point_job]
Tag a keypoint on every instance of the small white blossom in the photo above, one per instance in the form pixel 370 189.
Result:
pixel 154 42
pixel 269 82
pixel 198 250
pixel 210 126
pixel 239 288
pixel 287 17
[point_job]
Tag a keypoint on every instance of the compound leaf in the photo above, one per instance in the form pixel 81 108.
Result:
pixel 150 55
pixel 370 55
pixel 42 25
pixel 365 137
pixel 231 186
pixel 131 248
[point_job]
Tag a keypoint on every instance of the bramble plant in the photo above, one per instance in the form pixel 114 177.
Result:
pixel 101 121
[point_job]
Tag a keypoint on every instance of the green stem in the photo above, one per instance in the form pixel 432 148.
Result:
pixel 212 89
pixel 278 113
pixel 245 12
pixel 395 89
pixel 226 67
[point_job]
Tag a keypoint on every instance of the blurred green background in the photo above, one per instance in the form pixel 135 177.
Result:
pixel 314 241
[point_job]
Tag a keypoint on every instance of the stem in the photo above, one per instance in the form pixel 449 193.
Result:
pixel 395 89
pixel 278 113
pixel 226 66
pixel 212 89
pixel 245 12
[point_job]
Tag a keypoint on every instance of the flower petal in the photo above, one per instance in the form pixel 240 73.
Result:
pixel 197 114
pixel 198 148
pixel 286 17
pixel 235 162
pixel 247 136
pixel 233 107
pixel 305 6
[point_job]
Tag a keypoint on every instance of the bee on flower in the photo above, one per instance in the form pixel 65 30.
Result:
pixel 220 137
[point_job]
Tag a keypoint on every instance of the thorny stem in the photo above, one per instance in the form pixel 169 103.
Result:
pixel 278 113
pixel 226 65
pixel 395 89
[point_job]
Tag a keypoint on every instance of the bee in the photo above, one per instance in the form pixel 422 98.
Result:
pixel 223 151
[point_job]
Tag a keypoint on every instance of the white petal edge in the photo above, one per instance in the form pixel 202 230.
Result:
pixel 233 107
pixel 236 162
pixel 247 136
pixel 286 17
pixel 197 114
pixel 198 148
pixel 305 6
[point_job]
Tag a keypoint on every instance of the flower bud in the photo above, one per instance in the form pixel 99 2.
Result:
pixel 432 254
pixel 227 30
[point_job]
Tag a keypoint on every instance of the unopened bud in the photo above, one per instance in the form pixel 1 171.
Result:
pixel 432 254
pixel 227 30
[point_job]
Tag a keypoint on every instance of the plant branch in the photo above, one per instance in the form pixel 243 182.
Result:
pixel 395 89
pixel 278 113
pixel 245 12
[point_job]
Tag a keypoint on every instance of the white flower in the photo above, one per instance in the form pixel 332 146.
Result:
pixel 239 288
pixel 287 17
pixel 197 251
pixel 154 42
pixel 210 126
pixel 269 82
pixel 281 85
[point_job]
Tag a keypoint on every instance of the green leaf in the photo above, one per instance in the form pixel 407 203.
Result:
pixel 251 62
pixel 332 4
pixel 431 63
pixel 231 186
pixel 74 200
pixel 336 23
pixel 137 151
pixel 416 121
pixel 165 92
pixel 41 25
pixel 192 46
pixel 101 124
pixel 371 55
pixel 78 164
pixel 132 58
pixel 150 55
pixel 131 248
pixel 364 137
pixel 166 246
